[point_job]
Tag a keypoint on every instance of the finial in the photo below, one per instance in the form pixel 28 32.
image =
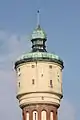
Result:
pixel 38 18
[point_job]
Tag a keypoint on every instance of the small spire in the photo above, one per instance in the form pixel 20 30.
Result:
pixel 38 24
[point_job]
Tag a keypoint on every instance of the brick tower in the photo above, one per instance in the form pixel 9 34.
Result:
pixel 39 80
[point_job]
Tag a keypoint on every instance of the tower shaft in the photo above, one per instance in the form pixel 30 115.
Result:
pixel 39 112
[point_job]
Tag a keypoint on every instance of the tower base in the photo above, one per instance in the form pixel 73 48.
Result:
pixel 39 112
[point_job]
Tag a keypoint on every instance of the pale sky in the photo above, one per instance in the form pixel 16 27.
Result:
pixel 61 21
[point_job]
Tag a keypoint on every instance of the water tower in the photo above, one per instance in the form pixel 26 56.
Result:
pixel 39 80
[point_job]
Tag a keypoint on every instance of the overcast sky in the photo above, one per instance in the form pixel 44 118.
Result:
pixel 61 21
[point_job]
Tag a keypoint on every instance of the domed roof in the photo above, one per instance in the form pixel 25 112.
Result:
pixel 38 33
pixel 39 56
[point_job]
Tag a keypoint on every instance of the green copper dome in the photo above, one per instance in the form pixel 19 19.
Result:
pixel 39 52
pixel 38 33
pixel 38 39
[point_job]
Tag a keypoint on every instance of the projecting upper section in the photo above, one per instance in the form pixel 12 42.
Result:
pixel 38 38
pixel 39 82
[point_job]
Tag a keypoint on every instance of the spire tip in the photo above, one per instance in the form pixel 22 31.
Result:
pixel 38 17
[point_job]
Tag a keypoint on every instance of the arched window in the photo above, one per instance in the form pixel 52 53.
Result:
pixel 51 116
pixel 43 115
pixel 35 115
pixel 27 116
